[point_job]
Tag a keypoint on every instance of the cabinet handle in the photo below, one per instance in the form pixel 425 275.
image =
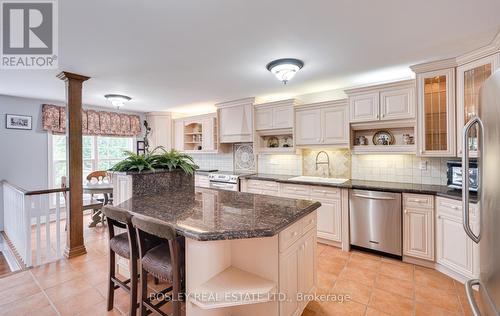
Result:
pixel 295 234
pixel 406 211
pixel 311 221
pixel 439 216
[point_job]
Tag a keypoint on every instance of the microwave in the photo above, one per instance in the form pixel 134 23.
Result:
pixel 454 173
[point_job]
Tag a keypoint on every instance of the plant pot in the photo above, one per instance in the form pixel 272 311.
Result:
pixel 132 184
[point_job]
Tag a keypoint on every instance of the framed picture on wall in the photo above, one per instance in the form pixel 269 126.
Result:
pixel 141 148
pixel 14 121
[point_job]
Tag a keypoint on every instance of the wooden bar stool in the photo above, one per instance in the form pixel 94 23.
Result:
pixel 124 245
pixel 165 262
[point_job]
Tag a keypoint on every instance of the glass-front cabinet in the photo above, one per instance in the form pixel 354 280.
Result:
pixel 470 78
pixel 436 113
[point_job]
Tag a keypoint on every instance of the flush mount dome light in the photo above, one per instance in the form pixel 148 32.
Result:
pixel 285 69
pixel 117 100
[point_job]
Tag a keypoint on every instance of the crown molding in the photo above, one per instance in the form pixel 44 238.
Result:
pixel 289 102
pixel 380 86
pixel 490 49
pixel 244 101
pixel 339 102
pixel 434 65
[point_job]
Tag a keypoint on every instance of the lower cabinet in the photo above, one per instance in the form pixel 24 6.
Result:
pixel 201 180
pixel 418 226
pixel 329 213
pixel 454 249
pixel 297 273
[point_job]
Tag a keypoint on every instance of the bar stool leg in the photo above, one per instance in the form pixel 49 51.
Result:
pixel 144 291
pixel 133 285
pixel 111 284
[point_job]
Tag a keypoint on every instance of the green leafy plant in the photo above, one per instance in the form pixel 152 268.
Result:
pixel 170 160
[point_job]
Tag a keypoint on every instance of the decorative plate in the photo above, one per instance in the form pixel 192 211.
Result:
pixel 383 138
pixel 244 159
pixel 273 142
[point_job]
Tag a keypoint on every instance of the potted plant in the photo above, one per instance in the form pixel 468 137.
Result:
pixel 157 172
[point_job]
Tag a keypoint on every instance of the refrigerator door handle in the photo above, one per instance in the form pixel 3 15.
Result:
pixel 465 176
pixel 470 295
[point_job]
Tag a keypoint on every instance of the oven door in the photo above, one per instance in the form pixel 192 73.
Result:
pixel 224 186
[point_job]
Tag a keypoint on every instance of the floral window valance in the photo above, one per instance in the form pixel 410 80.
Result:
pixel 93 122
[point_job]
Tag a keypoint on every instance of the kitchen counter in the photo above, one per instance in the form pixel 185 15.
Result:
pixel 208 214
pixel 439 190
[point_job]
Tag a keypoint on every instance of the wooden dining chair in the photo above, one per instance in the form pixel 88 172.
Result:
pixel 91 204
pixel 97 177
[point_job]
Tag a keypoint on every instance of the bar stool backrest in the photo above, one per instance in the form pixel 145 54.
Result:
pixel 122 219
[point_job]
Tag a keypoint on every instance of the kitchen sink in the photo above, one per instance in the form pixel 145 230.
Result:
pixel 319 179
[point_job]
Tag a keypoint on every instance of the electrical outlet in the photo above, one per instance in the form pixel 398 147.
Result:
pixel 423 164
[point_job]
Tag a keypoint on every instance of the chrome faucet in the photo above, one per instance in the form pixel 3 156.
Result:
pixel 327 162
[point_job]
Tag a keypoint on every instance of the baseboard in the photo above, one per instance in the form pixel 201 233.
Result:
pixel 329 242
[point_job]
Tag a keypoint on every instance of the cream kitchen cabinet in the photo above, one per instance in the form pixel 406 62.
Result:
pixel 179 135
pixel 235 121
pixel 436 122
pixel 325 123
pixel 274 115
pixel 201 180
pixel 418 226
pixel 196 133
pixel 161 130
pixel 454 249
pixel 394 101
pixel 329 223
pixel 470 78
pixel 297 263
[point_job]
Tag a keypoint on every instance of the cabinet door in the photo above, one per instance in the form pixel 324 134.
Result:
pixel 263 118
pixel 454 247
pixel 397 104
pixel 208 141
pixel 179 135
pixel 436 108
pixel 307 264
pixel 364 107
pixel 283 117
pixel 161 131
pixel 335 125
pixel 470 78
pixel 330 220
pixel 289 280
pixel 235 124
pixel 418 233
pixel 308 127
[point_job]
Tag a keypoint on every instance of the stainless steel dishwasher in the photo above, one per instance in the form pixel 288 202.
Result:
pixel 375 220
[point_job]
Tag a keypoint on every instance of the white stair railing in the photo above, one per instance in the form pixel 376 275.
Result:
pixel 31 225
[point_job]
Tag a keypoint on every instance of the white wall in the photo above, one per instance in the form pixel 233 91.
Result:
pixel 23 154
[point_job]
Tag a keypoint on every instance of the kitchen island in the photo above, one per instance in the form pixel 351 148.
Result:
pixel 246 254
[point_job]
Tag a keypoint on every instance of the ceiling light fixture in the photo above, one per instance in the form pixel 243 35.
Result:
pixel 117 100
pixel 285 69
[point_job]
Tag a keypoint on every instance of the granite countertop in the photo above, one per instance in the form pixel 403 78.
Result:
pixel 208 214
pixel 439 190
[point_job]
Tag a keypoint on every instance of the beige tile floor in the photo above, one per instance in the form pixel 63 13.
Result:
pixel 372 285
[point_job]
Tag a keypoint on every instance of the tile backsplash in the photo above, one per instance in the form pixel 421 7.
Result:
pixel 399 168
pixel 392 168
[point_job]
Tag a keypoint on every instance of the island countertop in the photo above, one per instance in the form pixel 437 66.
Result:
pixel 209 214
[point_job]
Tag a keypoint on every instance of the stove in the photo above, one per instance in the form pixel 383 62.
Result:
pixel 226 180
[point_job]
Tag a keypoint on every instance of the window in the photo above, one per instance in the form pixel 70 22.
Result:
pixel 99 153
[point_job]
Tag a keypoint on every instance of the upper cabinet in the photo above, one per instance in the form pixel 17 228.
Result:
pixel 274 115
pixel 235 121
pixel 394 101
pixel 161 129
pixel 470 78
pixel 436 109
pixel 325 123
pixel 196 133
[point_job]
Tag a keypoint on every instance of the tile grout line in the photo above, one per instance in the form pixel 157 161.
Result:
pixel 44 294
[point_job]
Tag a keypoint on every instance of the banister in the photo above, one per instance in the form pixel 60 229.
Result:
pixel 34 192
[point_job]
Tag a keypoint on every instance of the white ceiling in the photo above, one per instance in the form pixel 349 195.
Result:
pixel 189 54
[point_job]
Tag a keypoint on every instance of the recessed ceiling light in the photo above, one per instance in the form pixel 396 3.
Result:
pixel 117 100
pixel 285 69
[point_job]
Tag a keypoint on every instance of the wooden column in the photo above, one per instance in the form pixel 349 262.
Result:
pixel 74 240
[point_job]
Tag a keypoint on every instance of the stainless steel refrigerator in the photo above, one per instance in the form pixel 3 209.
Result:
pixel 488 236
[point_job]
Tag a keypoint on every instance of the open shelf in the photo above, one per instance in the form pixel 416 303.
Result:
pixel 233 287
pixel 399 146
pixel 282 140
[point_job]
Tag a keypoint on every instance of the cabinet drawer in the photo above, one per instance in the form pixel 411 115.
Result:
pixel 295 190
pixel 290 235
pixel 325 193
pixel 308 222
pixel 418 200
pixel 262 185
pixel 454 207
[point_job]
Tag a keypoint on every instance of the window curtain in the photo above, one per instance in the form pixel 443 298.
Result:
pixel 93 122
